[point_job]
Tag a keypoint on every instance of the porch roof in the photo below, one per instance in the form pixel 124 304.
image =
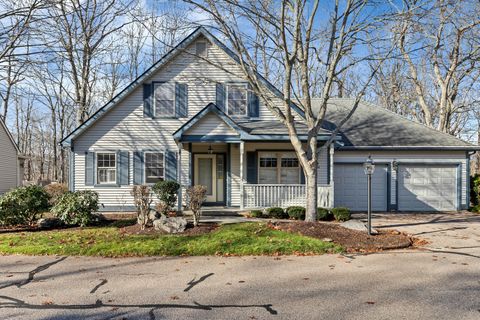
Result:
pixel 245 129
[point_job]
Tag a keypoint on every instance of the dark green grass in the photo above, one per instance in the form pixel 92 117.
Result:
pixel 234 239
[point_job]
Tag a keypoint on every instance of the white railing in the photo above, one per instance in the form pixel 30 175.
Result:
pixel 283 195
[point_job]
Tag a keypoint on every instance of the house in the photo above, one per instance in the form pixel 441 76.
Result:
pixel 11 162
pixel 192 118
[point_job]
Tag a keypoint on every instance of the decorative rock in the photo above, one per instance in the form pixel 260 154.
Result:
pixel 357 225
pixel 327 240
pixel 49 223
pixel 171 224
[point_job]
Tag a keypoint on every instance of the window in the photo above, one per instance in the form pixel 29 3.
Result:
pixel 278 168
pixel 201 48
pixel 154 167
pixel 106 168
pixel 165 99
pixel 237 100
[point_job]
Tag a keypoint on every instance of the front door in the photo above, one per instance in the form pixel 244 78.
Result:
pixel 205 174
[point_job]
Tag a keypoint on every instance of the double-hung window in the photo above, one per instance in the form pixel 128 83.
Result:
pixel 106 168
pixel 164 94
pixel 237 99
pixel 278 168
pixel 154 167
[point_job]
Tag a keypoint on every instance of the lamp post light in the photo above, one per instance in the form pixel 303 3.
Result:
pixel 369 168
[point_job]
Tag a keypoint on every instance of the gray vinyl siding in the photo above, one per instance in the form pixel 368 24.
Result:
pixel 8 162
pixel 413 157
pixel 211 124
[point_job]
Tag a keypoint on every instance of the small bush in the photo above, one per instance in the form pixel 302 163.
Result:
pixel 256 214
pixel 341 214
pixel 196 195
pixel 23 205
pixel 296 212
pixel 277 213
pixel 475 190
pixel 55 191
pixel 324 214
pixel 142 199
pixel 77 207
pixel 166 192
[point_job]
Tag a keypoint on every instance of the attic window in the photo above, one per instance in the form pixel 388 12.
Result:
pixel 201 49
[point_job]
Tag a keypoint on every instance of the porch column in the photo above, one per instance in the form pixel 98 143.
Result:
pixel 179 176
pixel 330 182
pixel 242 151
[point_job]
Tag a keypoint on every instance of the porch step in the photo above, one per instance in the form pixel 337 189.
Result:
pixel 218 212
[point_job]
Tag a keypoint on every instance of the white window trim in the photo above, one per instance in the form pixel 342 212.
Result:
pixel 158 84
pixel 278 167
pixel 228 85
pixel 96 168
pixel 206 48
pixel 145 166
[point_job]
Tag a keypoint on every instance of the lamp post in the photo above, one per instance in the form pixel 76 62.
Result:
pixel 369 168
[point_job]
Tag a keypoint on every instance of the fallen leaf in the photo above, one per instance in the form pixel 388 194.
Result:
pixel 370 302
pixel 47 302
pixel 174 297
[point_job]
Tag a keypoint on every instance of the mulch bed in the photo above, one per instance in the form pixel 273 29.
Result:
pixel 351 240
pixel 202 228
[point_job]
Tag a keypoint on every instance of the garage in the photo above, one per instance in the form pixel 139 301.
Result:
pixel 427 187
pixel 351 187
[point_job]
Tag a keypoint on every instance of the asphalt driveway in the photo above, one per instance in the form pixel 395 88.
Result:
pixel 440 281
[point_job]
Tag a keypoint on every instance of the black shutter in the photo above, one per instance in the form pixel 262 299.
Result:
pixel 181 100
pixel 147 100
pixel 302 176
pixel 89 168
pixel 138 167
pixel 253 104
pixel 220 99
pixel 171 165
pixel 252 167
pixel 123 168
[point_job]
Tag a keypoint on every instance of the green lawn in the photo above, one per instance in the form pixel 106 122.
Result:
pixel 234 239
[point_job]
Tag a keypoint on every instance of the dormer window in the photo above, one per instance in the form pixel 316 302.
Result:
pixel 237 99
pixel 201 49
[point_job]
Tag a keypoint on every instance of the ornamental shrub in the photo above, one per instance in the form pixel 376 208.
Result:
pixel 55 191
pixel 196 195
pixel 256 214
pixel 277 213
pixel 324 214
pixel 341 214
pixel 77 208
pixel 475 190
pixel 166 191
pixel 23 205
pixel 296 212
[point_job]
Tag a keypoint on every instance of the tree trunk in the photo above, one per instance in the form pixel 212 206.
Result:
pixel 312 195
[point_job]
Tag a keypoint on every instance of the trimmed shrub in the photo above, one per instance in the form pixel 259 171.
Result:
pixel 77 208
pixel 142 199
pixel 277 213
pixel 166 191
pixel 256 214
pixel 196 195
pixel 341 214
pixel 324 214
pixel 55 191
pixel 296 212
pixel 23 205
pixel 475 191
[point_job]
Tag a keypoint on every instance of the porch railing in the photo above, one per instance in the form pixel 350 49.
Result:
pixel 283 195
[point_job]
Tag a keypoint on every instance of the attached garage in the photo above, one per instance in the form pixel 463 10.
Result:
pixel 350 184
pixel 427 187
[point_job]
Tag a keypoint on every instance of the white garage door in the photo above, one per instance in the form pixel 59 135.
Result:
pixel 351 187
pixel 427 188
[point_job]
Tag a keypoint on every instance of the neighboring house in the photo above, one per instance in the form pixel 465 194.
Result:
pixel 195 121
pixel 11 162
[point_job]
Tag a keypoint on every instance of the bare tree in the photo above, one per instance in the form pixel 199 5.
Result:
pixel 298 31
pixel 439 42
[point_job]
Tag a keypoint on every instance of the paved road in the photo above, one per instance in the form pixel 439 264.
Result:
pixel 440 282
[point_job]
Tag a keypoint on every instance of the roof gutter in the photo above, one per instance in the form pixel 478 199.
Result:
pixel 409 148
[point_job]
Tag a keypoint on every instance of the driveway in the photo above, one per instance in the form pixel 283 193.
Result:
pixel 441 281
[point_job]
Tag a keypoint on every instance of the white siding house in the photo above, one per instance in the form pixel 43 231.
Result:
pixel 10 170
pixel 190 120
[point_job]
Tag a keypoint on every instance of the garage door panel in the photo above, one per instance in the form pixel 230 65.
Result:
pixel 351 187
pixel 427 187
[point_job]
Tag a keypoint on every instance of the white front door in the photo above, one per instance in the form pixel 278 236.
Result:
pixel 205 174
